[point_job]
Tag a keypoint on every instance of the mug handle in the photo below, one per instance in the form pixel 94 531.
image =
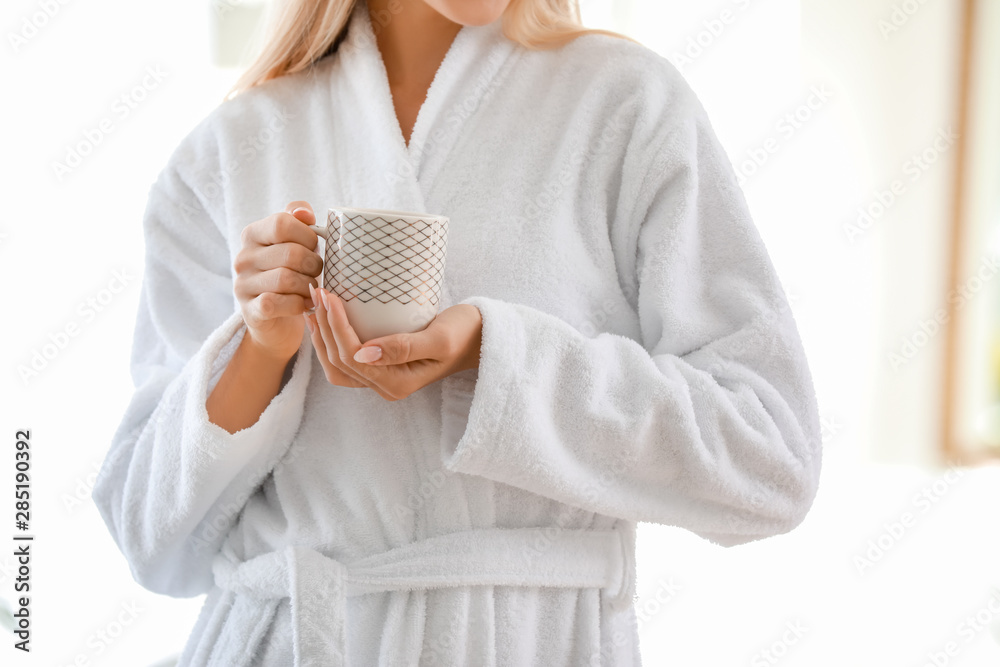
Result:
pixel 321 231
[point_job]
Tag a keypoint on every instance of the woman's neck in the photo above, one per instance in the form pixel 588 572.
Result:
pixel 413 41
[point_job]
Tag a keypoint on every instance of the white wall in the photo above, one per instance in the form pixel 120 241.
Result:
pixel 902 89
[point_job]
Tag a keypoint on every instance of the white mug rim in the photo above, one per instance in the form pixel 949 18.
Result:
pixel 405 215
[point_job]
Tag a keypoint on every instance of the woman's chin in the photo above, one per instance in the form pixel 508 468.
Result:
pixel 478 13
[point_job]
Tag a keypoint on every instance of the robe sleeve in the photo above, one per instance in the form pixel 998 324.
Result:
pixel 172 483
pixel 708 422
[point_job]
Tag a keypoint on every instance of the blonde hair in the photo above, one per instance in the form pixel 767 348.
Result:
pixel 304 31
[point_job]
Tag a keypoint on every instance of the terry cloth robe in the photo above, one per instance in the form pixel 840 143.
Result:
pixel 639 363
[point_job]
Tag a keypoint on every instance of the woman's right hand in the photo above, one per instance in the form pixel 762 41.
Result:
pixel 274 268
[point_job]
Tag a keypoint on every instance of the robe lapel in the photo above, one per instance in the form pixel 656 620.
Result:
pixel 374 166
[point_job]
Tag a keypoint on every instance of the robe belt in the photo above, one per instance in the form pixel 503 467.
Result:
pixel 318 585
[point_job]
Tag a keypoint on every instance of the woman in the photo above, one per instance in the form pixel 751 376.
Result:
pixel 612 346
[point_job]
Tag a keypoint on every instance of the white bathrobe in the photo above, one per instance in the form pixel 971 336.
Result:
pixel 639 363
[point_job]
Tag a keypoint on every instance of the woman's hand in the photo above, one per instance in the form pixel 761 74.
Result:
pixel 275 269
pixel 397 365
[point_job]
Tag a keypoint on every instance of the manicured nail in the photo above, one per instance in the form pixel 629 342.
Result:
pixel 312 293
pixel 326 298
pixel 366 355
pixel 300 208
pixel 308 323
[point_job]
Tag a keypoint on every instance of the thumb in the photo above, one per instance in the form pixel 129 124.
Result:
pixel 394 349
pixel 302 210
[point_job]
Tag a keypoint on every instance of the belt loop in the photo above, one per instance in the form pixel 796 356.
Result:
pixel 319 608
pixel 625 595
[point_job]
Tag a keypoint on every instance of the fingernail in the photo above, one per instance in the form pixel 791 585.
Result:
pixel 300 208
pixel 312 293
pixel 308 323
pixel 366 355
pixel 326 299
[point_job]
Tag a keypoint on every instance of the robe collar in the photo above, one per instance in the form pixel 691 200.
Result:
pixel 395 175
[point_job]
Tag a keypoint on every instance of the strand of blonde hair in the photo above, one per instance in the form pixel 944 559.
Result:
pixel 304 31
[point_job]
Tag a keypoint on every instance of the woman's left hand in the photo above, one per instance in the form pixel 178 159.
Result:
pixel 397 365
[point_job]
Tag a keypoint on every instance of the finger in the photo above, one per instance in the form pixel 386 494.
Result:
pixel 346 338
pixel 333 374
pixel 288 255
pixel 303 211
pixel 348 343
pixel 269 306
pixel 280 228
pixel 280 281
pixel 402 348
pixel 330 342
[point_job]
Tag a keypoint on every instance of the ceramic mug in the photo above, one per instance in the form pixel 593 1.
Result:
pixel 387 267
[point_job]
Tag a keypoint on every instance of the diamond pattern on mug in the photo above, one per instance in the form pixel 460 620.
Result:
pixel 386 259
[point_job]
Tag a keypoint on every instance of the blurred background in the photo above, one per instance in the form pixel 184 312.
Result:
pixel 867 138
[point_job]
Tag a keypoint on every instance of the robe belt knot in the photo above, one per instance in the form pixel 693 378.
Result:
pixel 317 585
